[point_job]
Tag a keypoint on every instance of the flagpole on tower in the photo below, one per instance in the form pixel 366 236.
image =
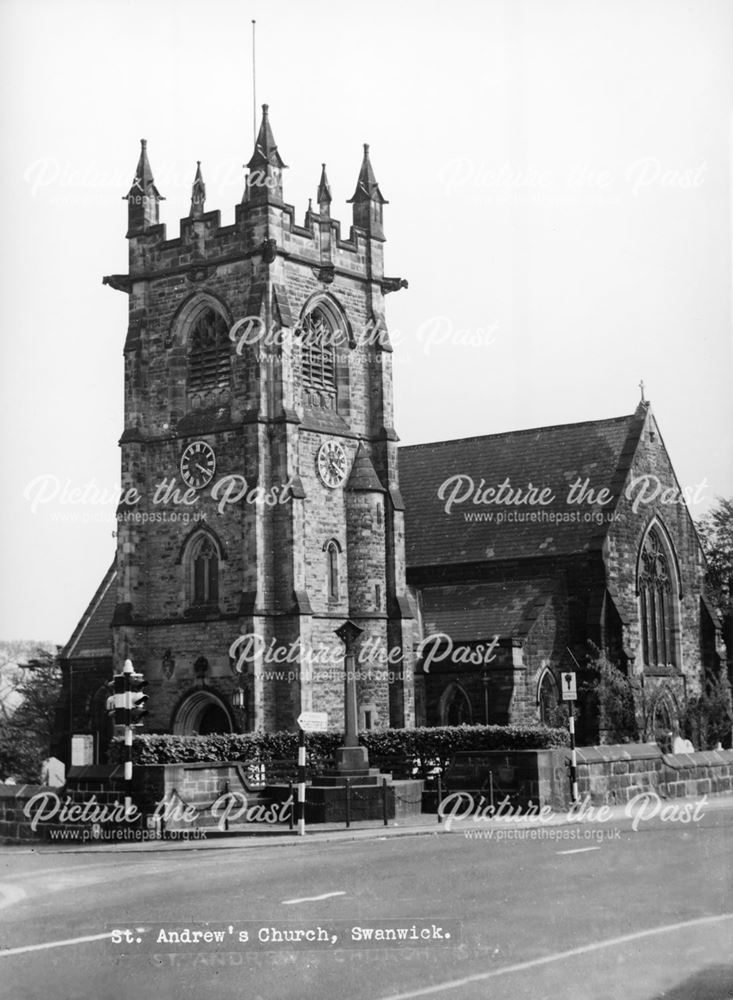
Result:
pixel 254 86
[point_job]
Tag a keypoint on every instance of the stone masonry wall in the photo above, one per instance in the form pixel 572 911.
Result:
pixel 268 428
pixel 615 774
pixel 642 501
pixel 15 827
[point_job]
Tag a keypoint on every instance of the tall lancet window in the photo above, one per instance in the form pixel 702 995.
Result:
pixel 332 570
pixel 209 358
pixel 657 594
pixel 204 571
pixel 317 353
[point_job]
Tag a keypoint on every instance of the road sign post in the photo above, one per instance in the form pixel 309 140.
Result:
pixel 569 687
pixel 127 672
pixel 313 722
pixel 308 722
pixel 301 782
pixel 570 694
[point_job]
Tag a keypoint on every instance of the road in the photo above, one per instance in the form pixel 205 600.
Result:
pixel 636 915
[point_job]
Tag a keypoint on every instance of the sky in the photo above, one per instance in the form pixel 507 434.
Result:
pixel 559 182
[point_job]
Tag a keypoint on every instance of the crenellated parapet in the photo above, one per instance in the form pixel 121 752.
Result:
pixel 265 226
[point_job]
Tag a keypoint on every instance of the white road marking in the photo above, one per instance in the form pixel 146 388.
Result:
pixel 53 944
pixel 578 850
pixel 455 984
pixel 312 899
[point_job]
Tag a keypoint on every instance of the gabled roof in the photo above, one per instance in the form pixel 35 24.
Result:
pixel 484 610
pixel 93 636
pixel 550 458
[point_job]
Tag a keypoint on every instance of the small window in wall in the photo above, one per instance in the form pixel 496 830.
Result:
pixel 368 719
pixel 332 570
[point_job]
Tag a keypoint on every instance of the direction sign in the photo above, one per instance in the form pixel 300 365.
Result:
pixel 313 722
pixel 569 688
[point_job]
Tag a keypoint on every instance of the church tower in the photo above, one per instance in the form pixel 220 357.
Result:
pixel 261 506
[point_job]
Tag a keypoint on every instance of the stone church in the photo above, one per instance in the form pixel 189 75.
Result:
pixel 265 502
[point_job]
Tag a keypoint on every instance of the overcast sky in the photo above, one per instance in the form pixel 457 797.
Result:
pixel 559 179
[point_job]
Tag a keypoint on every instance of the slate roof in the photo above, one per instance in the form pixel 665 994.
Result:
pixel 477 612
pixel 363 477
pixel 93 635
pixel 600 451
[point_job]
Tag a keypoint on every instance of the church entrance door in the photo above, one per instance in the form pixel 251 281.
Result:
pixel 200 714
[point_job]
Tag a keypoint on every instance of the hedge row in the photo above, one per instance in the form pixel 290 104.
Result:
pixel 420 749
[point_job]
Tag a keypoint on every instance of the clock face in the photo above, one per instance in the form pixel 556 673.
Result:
pixel 198 464
pixel 331 464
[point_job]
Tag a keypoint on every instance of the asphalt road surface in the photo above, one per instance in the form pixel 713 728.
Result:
pixel 622 915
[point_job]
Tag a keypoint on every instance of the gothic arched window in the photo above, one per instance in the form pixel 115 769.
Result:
pixel 547 698
pixel 209 364
pixel 317 353
pixel 203 568
pixel 656 585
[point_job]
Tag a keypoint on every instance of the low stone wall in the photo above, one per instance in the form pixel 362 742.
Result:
pixel 606 775
pixel 615 774
pixel 15 827
pixel 222 795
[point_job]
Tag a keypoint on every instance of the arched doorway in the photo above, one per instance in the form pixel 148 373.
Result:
pixel 201 713
pixel 455 707
pixel 664 721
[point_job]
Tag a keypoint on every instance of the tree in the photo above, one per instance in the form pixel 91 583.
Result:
pixel 716 535
pixel 606 710
pixel 707 718
pixel 609 696
pixel 27 713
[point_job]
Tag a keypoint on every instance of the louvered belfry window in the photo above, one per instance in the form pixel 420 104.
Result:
pixel 209 356
pixel 655 594
pixel 317 353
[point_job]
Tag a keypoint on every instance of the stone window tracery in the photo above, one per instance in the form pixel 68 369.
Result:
pixel 203 571
pixel 656 593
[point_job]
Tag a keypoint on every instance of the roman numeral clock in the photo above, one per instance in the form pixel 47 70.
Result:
pixel 331 464
pixel 198 464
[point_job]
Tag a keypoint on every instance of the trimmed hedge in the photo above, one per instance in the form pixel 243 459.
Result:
pixel 421 750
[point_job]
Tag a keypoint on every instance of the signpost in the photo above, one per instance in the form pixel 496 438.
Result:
pixel 570 693
pixel 82 750
pixel 569 687
pixel 313 722
pixel 308 722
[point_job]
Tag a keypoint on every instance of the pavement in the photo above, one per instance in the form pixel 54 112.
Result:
pixel 254 835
